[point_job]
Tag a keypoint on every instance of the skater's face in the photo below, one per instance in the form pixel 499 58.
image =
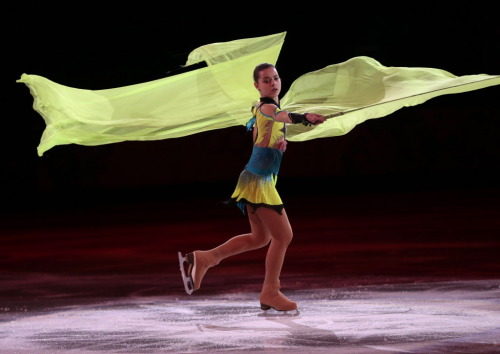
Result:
pixel 269 83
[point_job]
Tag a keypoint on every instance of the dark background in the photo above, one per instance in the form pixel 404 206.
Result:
pixel 450 142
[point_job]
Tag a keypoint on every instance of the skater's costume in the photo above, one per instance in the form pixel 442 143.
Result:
pixel 257 182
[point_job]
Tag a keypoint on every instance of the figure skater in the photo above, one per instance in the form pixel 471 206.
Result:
pixel 256 195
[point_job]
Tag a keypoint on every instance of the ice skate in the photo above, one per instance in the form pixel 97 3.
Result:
pixel 198 263
pixel 186 273
pixel 272 298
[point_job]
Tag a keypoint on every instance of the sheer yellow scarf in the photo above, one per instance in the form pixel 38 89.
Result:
pixel 221 94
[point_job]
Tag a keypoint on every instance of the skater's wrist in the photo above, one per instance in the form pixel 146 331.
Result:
pixel 297 118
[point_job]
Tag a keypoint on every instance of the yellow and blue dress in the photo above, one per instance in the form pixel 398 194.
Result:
pixel 256 185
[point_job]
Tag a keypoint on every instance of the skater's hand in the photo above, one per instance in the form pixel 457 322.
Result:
pixel 315 118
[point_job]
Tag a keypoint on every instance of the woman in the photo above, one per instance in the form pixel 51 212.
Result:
pixel 256 195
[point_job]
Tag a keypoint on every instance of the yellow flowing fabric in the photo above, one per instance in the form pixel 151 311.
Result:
pixel 214 97
pixel 221 95
pixel 361 89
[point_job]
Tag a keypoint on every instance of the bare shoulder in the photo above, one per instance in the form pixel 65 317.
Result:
pixel 268 109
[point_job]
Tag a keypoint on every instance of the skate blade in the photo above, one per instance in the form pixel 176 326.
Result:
pixel 269 311
pixel 277 313
pixel 188 282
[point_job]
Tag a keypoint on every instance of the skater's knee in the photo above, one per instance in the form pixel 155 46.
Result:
pixel 260 239
pixel 284 236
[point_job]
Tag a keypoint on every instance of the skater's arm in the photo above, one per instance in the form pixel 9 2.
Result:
pixel 293 118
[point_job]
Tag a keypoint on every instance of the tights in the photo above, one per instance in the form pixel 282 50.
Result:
pixel 267 228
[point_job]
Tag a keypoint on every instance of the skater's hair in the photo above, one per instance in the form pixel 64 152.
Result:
pixel 258 69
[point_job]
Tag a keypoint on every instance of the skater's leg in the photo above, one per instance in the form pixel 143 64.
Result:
pixel 281 236
pixel 203 260
pixel 257 238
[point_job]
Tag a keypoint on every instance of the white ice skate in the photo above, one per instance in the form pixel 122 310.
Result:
pixel 187 279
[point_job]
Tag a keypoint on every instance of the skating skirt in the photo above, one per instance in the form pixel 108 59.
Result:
pixel 257 191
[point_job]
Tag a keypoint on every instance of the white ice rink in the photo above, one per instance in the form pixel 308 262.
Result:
pixel 429 317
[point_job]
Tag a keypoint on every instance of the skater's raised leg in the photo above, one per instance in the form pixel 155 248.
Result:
pixel 201 261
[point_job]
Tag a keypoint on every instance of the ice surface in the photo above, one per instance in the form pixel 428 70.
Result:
pixel 433 317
